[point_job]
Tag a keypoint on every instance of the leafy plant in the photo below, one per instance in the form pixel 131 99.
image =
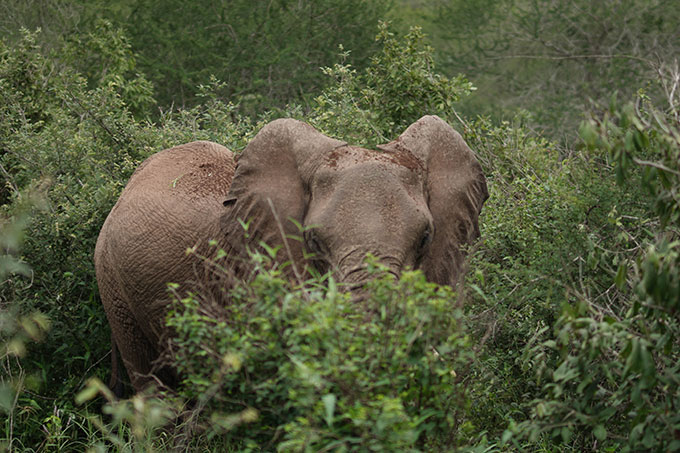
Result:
pixel 17 330
pixel 77 142
pixel 322 371
pixel 396 89
pixel 615 384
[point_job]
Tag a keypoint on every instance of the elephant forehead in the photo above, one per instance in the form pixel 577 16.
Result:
pixel 349 156
pixel 368 175
pixel 368 184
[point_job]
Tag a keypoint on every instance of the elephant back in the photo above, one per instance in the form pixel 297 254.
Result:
pixel 195 171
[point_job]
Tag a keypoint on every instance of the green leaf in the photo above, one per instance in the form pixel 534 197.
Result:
pixel 566 433
pixel 620 174
pixel 540 409
pixel 87 394
pixel 620 278
pixel 641 141
pixel 634 361
pixel 332 288
pixel 6 398
pixel 628 142
pixel 648 366
pixel 329 407
pixel 600 432
pixel 564 372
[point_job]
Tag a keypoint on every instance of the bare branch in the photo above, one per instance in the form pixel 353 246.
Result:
pixel 647 163
pixel 571 57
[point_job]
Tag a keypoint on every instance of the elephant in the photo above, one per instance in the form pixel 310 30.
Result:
pixel 412 203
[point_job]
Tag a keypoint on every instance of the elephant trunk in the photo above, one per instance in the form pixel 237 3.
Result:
pixel 355 277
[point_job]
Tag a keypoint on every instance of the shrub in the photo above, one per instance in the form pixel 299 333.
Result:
pixel 322 371
pixel 553 233
pixel 615 383
pixel 76 141
pixel 398 87
pixel 17 331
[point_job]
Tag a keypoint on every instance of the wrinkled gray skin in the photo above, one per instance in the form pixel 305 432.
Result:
pixel 413 203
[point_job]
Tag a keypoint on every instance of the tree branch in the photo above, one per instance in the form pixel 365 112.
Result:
pixel 570 57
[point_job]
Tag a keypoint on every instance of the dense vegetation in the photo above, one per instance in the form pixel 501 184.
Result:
pixel 565 335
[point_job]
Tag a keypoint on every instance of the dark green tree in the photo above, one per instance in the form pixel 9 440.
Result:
pixel 268 53
pixel 550 56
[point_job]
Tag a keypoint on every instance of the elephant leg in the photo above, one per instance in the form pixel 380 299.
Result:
pixel 137 352
pixel 135 349
pixel 116 382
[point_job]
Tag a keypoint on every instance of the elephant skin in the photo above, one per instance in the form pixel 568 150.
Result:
pixel 413 203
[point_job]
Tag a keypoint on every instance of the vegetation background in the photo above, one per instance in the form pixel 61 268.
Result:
pixel 565 335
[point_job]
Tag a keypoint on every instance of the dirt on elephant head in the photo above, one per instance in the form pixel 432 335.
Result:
pixel 402 157
pixel 405 158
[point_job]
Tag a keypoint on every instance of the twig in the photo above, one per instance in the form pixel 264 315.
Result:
pixel 18 387
pixel 92 366
pixel 647 163
pixel 465 125
pixel 9 179
pixel 568 57
pixel 97 119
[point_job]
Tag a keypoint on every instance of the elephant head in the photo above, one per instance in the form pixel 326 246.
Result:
pixel 412 203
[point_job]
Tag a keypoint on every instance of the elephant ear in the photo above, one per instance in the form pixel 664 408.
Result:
pixel 269 186
pixel 456 190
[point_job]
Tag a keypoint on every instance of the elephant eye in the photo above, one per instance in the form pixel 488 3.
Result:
pixel 314 244
pixel 425 240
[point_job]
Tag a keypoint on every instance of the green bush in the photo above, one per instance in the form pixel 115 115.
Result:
pixel 17 331
pixel 322 371
pixel 398 87
pixel 267 53
pixel 76 141
pixel 615 384
pixel 553 234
